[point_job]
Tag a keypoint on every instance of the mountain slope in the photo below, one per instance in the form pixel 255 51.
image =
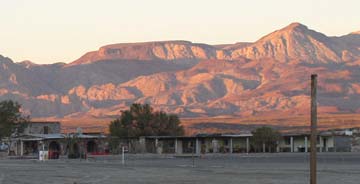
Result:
pixel 247 88
pixel 269 76
pixel 297 42
pixel 147 51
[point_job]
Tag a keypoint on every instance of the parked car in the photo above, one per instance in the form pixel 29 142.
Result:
pixel 3 147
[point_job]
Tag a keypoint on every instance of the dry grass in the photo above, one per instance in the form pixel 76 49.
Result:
pixel 284 123
pixel 227 124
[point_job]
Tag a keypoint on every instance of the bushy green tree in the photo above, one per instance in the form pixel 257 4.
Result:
pixel 265 136
pixel 73 146
pixel 142 120
pixel 11 119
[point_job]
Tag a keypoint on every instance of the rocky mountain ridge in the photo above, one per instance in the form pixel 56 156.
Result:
pixel 269 76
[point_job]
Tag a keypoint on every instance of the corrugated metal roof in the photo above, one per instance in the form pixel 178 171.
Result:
pixel 202 136
pixel 48 136
pixel 40 137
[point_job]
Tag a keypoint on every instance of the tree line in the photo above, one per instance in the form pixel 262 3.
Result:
pixel 138 120
pixel 143 120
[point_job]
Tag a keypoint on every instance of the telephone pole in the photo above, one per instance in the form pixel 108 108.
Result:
pixel 313 138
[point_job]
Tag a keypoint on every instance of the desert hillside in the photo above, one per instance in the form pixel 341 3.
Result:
pixel 267 77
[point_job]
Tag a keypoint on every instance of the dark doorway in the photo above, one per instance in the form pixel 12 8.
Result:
pixel 91 146
pixel 76 149
pixel 54 150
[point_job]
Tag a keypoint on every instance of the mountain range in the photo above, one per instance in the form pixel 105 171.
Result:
pixel 269 76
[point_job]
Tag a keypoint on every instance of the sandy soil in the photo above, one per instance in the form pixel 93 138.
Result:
pixel 251 169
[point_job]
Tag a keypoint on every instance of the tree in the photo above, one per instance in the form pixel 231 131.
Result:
pixel 142 120
pixel 73 147
pixel 265 136
pixel 11 119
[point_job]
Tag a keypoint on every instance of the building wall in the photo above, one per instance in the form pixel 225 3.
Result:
pixel 188 145
pixel 299 144
pixel 329 147
pixel 324 143
pixel 342 144
pixel 38 128
pixel 355 144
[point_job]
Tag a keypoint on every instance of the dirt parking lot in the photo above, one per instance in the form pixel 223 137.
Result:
pixel 277 168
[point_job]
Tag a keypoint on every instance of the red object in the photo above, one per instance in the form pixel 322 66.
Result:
pixel 53 155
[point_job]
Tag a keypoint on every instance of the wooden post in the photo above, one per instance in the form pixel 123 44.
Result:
pixel 263 148
pixel 192 154
pixel 197 147
pixel 176 146
pixel 247 145
pixel 21 148
pixel 313 149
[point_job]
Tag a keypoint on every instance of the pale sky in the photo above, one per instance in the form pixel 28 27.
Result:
pixel 49 31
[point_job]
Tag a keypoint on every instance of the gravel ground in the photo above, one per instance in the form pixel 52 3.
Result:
pixel 278 168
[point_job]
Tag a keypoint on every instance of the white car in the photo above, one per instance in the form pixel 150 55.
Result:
pixel 3 147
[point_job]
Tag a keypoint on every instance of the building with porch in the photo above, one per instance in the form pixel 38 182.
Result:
pixel 47 136
pixel 202 143
pixel 328 141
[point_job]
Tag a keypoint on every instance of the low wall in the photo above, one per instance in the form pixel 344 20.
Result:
pixel 355 144
pixel 3 154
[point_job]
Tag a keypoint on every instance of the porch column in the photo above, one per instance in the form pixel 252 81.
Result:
pixel 142 142
pixel 320 143
pixel 16 147
pixel 176 146
pixel 292 144
pixel 197 146
pixel 326 145
pixel 179 146
pixel 157 148
pixel 247 145
pixel 231 145
pixel 264 150
pixel 215 146
pixel 21 148
pixel 8 151
pixel 306 144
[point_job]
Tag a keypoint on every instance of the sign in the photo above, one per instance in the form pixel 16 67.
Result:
pixel 43 155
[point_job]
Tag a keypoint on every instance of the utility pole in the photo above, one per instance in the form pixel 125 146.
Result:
pixel 192 153
pixel 313 137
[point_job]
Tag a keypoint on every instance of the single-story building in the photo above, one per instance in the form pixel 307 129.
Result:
pixel 327 141
pixel 47 136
